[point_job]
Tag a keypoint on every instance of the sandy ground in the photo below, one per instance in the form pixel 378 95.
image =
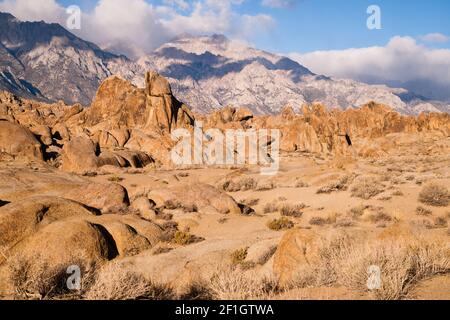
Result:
pixel 403 173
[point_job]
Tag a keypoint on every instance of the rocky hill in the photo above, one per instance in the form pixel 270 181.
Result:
pixel 127 126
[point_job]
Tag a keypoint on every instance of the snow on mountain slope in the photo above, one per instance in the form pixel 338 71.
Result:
pixel 211 72
pixel 45 61
pixel 56 63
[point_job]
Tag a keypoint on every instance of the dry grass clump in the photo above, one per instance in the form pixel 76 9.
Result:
pixel 421 211
pixel 233 284
pixel 265 186
pixel 366 188
pixel 346 262
pixel 440 222
pixel 185 238
pixel 357 212
pixel 321 221
pixel 238 256
pixel 435 195
pixel 175 204
pixel 379 216
pixel 318 221
pixel 33 279
pixel 116 282
pixel 344 223
pixel 271 207
pixel 115 179
pixel 340 185
pixel 243 184
pixel 301 184
pixel 289 210
pixel 280 224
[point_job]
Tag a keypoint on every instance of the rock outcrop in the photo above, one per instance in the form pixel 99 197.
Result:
pixel 127 126
pixel 18 141
pixel 201 197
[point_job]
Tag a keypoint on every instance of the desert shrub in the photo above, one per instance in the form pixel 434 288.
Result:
pixel 271 207
pixel 116 282
pixel 280 224
pixel 289 210
pixel 398 193
pixel 243 184
pixel 301 184
pixel 160 250
pixel 344 223
pixel 185 238
pixel 421 211
pixel 440 222
pixel 318 221
pixel 358 211
pixel 222 220
pixel 33 279
pixel 340 185
pixel 175 204
pixel 435 195
pixel 379 216
pixel 233 284
pixel 115 179
pixel 238 256
pixel 344 261
pixel 265 186
pixel 366 188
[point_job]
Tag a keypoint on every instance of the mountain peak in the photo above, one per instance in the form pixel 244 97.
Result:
pixel 7 17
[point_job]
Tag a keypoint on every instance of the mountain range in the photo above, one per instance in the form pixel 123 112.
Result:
pixel 46 62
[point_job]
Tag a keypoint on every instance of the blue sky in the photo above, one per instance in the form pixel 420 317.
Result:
pixel 310 25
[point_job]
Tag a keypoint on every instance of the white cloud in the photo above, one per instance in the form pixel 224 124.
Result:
pixel 179 4
pixel 279 3
pixel 435 37
pixel 402 61
pixel 47 10
pixel 136 26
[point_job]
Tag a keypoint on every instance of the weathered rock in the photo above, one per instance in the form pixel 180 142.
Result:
pixel 109 197
pixel 299 248
pixel 202 196
pixel 43 133
pixel 18 141
pixel 21 219
pixel 79 156
pixel 145 208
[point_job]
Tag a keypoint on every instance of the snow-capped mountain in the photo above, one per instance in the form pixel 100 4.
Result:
pixel 47 62
pixel 210 72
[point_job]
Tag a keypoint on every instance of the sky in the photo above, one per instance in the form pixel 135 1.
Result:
pixel 411 45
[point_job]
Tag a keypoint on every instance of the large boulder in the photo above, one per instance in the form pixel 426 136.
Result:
pixel 21 219
pixel 107 197
pixel 203 197
pixel 297 251
pixel 79 155
pixel 18 141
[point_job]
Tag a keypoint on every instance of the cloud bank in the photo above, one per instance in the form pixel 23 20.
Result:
pixel 135 27
pixel 402 62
